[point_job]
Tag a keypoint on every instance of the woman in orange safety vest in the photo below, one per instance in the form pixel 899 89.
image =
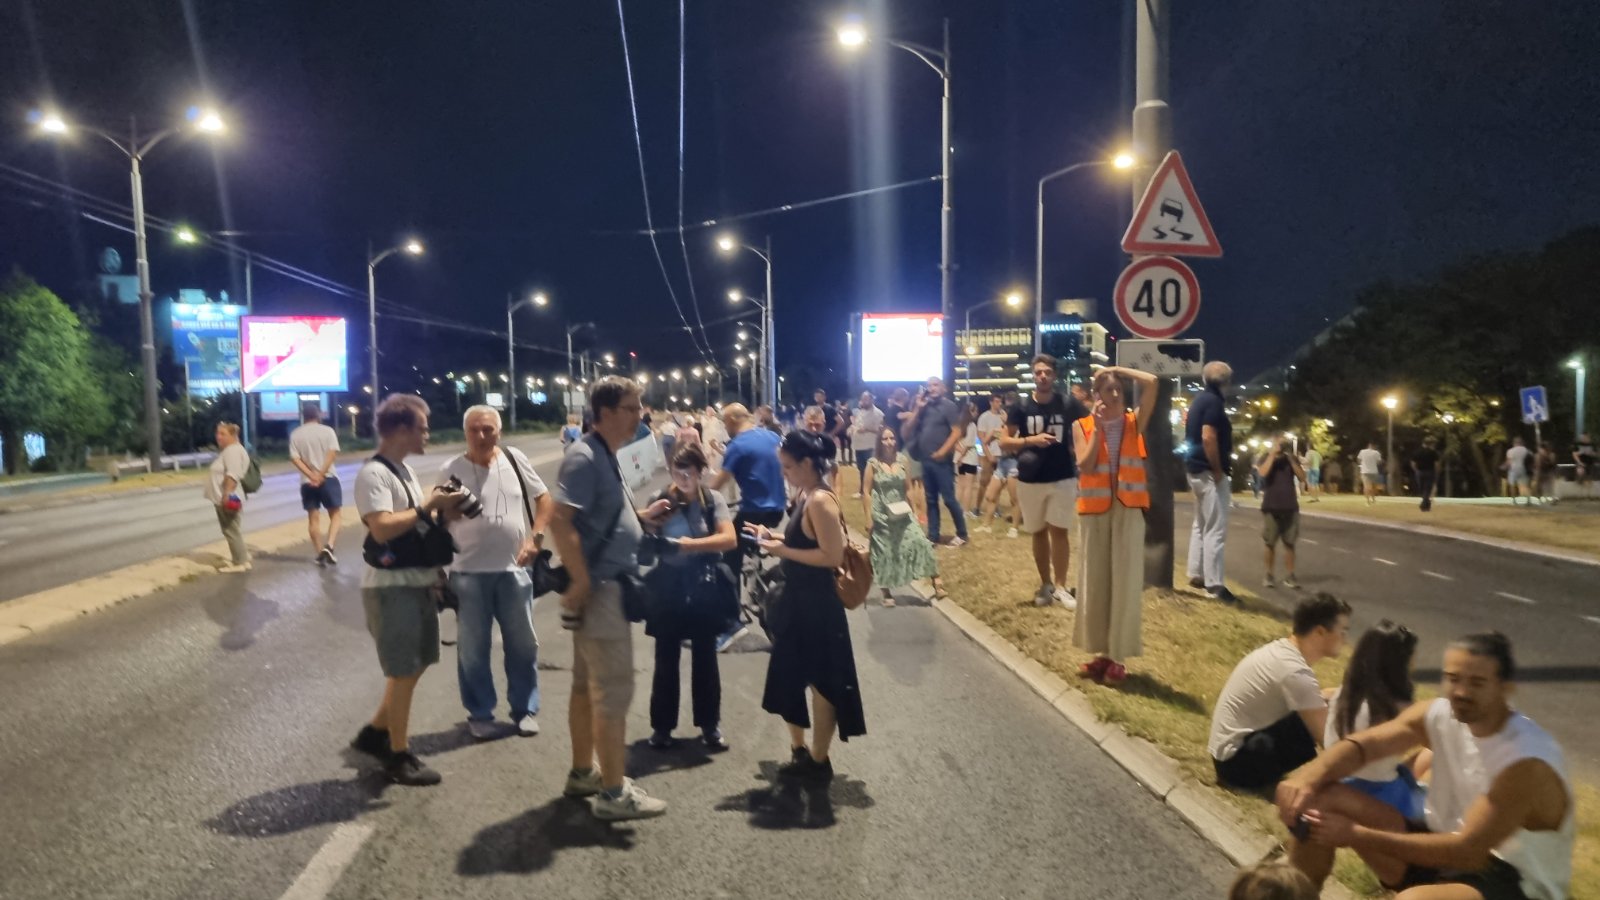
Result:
pixel 1112 498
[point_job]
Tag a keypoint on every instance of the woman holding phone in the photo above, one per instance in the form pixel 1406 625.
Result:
pixel 810 635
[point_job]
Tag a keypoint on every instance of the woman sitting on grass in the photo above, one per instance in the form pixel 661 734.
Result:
pixel 1377 686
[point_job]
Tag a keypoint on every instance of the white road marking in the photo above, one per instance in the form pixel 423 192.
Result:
pixel 1513 597
pixel 1307 541
pixel 1437 575
pixel 322 873
pixel 1340 550
pixel 1594 619
pixel 1387 562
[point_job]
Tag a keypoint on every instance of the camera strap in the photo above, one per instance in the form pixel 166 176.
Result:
pixel 405 483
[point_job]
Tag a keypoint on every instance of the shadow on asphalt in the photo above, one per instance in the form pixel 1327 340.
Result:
pixel 784 805
pixel 243 615
pixel 688 753
pixel 454 738
pixel 1536 674
pixel 301 806
pixel 528 843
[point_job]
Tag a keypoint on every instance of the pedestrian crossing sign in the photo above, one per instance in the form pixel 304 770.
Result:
pixel 1534 406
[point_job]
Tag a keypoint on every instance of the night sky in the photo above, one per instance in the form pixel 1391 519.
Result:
pixel 1333 145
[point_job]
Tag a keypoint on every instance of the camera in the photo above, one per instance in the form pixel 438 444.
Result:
pixel 470 506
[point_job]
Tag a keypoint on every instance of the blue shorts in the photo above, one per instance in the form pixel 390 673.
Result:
pixel 1401 792
pixel 1006 468
pixel 1313 477
pixel 328 496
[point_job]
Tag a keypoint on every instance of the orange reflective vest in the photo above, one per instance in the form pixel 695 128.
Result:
pixel 1094 481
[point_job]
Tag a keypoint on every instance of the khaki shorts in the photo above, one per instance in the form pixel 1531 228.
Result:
pixel 1280 526
pixel 404 623
pixel 1053 503
pixel 602 653
pixel 1372 481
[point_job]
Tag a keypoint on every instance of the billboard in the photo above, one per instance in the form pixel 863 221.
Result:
pixel 901 347
pixel 294 353
pixel 285 406
pixel 205 339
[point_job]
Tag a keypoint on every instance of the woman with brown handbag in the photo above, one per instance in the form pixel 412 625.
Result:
pixel 810 634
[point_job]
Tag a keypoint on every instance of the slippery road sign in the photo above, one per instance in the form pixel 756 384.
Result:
pixel 1170 219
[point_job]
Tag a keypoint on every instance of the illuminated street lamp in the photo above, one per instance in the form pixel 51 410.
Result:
pixel 1579 371
pixel 207 121
pixel 412 247
pixel 1122 162
pixel 730 245
pixel 1390 402
pixel 539 300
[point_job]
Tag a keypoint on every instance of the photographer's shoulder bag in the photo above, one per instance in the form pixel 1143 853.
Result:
pixel 546 577
pixel 635 598
pixel 427 547
pixel 714 589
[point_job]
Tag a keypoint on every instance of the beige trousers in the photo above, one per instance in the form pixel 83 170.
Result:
pixel 1110 582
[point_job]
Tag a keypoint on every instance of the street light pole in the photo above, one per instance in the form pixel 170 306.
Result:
pixel 1122 161
pixel 769 344
pixel 1579 372
pixel 412 247
pixel 511 352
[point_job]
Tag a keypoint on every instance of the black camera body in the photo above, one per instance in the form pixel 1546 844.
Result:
pixel 470 506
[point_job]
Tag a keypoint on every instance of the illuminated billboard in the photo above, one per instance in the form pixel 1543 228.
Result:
pixel 901 347
pixel 205 339
pixel 294 353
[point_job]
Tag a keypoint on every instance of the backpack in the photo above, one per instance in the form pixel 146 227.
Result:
pixel 250 482
pixel 853 579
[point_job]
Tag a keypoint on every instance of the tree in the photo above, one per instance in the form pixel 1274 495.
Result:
pixel 47 374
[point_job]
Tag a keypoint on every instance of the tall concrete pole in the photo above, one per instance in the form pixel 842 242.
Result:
pixel 511 359
pixel 147 331
pixel 946 226
pixel 1152 138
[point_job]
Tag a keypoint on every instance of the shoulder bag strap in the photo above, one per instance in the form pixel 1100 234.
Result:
pixel 405 483
pixel 527 503
pixel 627 504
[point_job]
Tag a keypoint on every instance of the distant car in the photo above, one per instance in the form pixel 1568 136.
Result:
pixel 1172 208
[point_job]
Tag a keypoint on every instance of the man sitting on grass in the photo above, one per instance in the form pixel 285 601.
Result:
pixel 1500 808
pixel 1272 706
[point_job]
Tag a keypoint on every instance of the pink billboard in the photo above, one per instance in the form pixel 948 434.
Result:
pixel 293 353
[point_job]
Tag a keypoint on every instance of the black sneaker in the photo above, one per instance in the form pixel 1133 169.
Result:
pixel 326 556
pixel 374 742
pixel 803 768
pixel 713 739
pixel 1223 595
pixel 1197 582
pixel 405 768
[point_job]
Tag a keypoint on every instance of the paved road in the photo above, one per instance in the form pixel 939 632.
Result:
pixel 189 744
pixel 45 548
pixel 1442 588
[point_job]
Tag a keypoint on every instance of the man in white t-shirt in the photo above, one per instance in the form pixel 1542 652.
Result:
pixel 1370 461
pixel 489 574
pixel 1500 809
pixel 397 586
pixel 866 424
pixel 312 448
pixel 1516 466
pixel 1271 712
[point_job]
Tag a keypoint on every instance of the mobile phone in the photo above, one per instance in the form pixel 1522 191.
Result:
pixel 749 538
pixel 1301 829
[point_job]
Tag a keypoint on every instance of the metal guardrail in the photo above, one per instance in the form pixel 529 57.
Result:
pixel 176 462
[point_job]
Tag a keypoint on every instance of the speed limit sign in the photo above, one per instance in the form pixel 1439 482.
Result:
pixel 1157 297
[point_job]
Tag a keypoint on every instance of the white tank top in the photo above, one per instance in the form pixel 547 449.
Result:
pixel 1463 769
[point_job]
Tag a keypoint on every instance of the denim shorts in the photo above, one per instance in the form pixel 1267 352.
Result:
pixel 1006 468
pixel 328 495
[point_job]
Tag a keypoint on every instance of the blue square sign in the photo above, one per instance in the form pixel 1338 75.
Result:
pixel 1534 406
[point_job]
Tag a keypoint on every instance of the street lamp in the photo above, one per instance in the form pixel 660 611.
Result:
pixel 852 35
pixel 537 299
pixel 729 245
pixel 1579 372
pixel 412 247
pixel 1012 299
pixel 50 122
pixel 1389 403
pixel 1121 162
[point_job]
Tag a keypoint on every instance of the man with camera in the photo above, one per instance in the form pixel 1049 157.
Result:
pixel 499 530
pixel 406 546
pixel 597 532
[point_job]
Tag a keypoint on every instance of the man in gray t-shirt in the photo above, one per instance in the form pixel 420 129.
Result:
pixel 312 448
pixel 597 531
pixel 931 436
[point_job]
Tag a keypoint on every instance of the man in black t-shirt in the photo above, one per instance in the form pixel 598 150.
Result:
pixel 1209 462
pixel 1038 433
pixel 1425 467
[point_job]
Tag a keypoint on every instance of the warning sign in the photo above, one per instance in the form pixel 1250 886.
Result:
pixel 1170 219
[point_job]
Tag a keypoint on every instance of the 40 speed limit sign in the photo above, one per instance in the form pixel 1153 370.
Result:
pixel 1157 297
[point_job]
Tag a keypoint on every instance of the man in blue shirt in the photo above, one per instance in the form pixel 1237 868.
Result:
pixel 1209 463
pixel 751 462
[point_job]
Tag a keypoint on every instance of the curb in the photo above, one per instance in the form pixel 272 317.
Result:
pixel 1156 771
pixel 34 613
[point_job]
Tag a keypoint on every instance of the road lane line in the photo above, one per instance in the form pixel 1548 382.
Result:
pixel 1387 562
pixel 1441 577
pixel 324 869
pixel 1307 541
pixel 1594 619
pixel 1514 597
pixel 1340 550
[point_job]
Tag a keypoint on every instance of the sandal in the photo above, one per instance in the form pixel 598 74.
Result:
pixel 1095 669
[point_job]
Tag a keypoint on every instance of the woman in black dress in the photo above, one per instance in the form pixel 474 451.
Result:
pixel 810 635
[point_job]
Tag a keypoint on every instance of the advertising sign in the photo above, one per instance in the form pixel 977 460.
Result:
pixel 901 347
pixel 285 406
pixel 294 353
pixel 205 339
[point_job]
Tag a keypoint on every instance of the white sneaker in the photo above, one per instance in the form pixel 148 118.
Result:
pixel 957 542
pixel 1064 597
pixel 586 785
pixel 483 729
pixel 528 725
pixel 984 528
pixel 633 804
pixel 1011 532
pixel 1044 596
pixel 234 568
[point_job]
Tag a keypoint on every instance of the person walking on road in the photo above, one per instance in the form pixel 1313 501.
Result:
pixel 901 552
pixel 810 635
pixel 1038 434
pixel 1425 469
pixel 1370 462
pixel 932 432
pixel 694 597
pixel 312 448
pixel 865 424
pixel 990 425
pixel 225 493
pixel 489 574
pixel 1209 462
pixel 398 584
pixel 1312 464
pixel 1517 466
pixel 597 531
pixel 1280 508
pixel 1113 495
pixel 1544 473
pixel 1583 456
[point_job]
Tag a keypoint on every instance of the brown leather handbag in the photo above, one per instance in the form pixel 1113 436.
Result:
pixel 853 579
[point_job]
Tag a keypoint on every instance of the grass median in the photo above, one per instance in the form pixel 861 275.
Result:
pixel 1191 644
pixel 1572 525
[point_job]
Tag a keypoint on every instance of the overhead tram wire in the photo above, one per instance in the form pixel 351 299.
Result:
pixel 644 185
pixel 774 210
pixel 688 270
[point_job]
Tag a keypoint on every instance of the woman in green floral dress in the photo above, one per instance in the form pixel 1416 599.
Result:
pixel 901 552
